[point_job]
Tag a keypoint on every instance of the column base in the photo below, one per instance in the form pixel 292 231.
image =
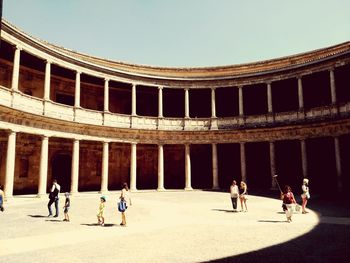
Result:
pixel 188 188
pixel 42 195
pixel 73 193
pixel 103 192
pixel 215 188
pixel 161 189
pixel 133 190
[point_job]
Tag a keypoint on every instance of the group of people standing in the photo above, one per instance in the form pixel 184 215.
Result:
pixel 287 196
pixel 54 199
pixel 241 193
pixel 289 203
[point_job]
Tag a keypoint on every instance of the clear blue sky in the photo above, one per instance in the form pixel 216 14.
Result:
pixel 184 33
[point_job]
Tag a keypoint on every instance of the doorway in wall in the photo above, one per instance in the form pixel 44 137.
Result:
pixel 61 170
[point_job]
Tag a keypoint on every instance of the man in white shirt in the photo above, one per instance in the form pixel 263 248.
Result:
pixel 53 196
pixel 234 195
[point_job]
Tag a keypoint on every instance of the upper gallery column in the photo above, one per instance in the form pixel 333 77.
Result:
pixel 106 96
pixel 240 100
pixel 133 100
pixel 75 167
pixel 10 164
pixel 215 166
pixel 269 98
pixel 47 80
pixel 43 166
pixel 333 88
pixel 187 103
pixel 300 94
pixel 15 72
pixel 133 163
pixel 77 89
pixel 187 168
pixel 105 158
pixel 213 105
pixel 160 168
pixel 160 102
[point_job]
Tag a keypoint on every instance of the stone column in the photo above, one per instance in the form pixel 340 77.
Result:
pixel 333 88
pixel 106 96
pixel 303 158
pixel 338 164
pixel 75 167
pixel 133 100
pixel 269 99
pixel 133 163
pixel 10 164
pixel 272 164
pixel 43 166
pixel 77 90
pixel 160 168
pixel 240 100
pixel 47 80
pixel 104 174
pixel 300 94
pixel 213 105
pixel 187 103
pixel 160 102
pixel 188 168
pixel 15 72
pixel 215 166
pixel 243 162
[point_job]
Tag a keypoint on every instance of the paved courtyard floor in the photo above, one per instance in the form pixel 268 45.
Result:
pixel 171 226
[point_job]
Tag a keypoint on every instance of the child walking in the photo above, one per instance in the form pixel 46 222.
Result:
pixel 66 207
pixel 101 209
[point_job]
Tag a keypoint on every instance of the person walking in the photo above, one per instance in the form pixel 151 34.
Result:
pixel 234 192
pixel 66 207
pixel 305 196
pixel 53 196
pixel 2 199
pixel 125 201
pixel 101 211
pixel 243 192
pixel 288 202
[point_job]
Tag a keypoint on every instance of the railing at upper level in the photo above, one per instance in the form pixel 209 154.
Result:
pixel 33 105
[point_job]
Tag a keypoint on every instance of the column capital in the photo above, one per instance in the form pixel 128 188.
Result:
pixel 160 87
pixel 106 79
pixel 48 61
pixel 18 47
pixel 78 72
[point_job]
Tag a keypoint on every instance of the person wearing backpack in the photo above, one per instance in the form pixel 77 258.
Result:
pixel 53 197
pixel 124 202
pixel 288 202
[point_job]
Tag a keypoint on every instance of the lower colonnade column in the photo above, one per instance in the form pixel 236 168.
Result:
pixel 215 167
pixel 338 164
pixel 10 164
pixel 105 161
pixel 187 168
pixel 243 162
pixel 43 166
pixel 303 158
pixel 160 168
pixel 133 163
pixel 272 164
pixel 75 167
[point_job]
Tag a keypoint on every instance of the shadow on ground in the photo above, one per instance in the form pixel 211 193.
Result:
pixel 95 224
pixel 325 243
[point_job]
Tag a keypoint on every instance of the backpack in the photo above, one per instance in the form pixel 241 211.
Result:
pixel 122 206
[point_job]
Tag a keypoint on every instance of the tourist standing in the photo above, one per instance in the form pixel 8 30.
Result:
pixel 101 211
pixel 305 196
pixel 234 195
pixel 53 196
pixel 66 207
pixel 126 201
pixel 2 199
pixel 243 192
pixel 288 202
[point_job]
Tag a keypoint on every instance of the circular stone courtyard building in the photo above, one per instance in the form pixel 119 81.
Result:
pixel 94 124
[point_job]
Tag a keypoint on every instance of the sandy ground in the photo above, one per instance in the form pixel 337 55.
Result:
pixel 178 226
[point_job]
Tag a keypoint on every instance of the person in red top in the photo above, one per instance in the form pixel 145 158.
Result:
pixel 288 202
